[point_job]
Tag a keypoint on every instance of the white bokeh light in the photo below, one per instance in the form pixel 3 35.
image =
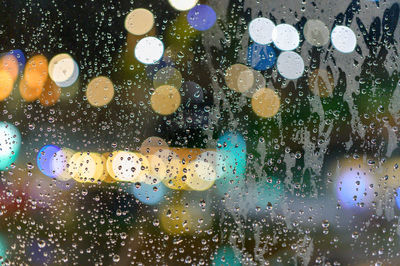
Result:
pixel 285 37
pixel 149 50
pixel 260 30
pixel 343 39
pixel 290 65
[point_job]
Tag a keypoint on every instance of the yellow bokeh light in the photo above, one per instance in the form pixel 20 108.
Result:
pixel 265 102
pixel 239 78
pixel 193 179
pixel 139 21
pixel 87 167
pixel 124 166
pixel 100 91
pixel 152 145
pixel 165 100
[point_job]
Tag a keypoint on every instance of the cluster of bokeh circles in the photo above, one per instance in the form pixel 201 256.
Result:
pixel 153 166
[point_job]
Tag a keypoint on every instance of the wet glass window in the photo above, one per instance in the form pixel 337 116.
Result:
pixel 199 132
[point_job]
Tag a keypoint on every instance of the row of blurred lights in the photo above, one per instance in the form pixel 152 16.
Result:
pixel 177 168
pixel 189 169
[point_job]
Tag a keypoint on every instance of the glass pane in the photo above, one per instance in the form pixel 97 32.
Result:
pixel 200 132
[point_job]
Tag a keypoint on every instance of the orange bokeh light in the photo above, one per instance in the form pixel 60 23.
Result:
pixel 9 63
pixel 50 94
pixel 6 84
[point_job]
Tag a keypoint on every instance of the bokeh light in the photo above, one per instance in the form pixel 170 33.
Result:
pixel 87 167
pixel 45 159
pixel 265 102
pixel 165 100
pixel 261 57
pixel 100 91
pixel 354 185
pixel 149 50
pixel 51 93
pixel 63 70
pixel 149 194
pixel 201 17
pixel 183 5
pixel 316 32
pixel 343 39
pixel 9 63
pixel 225 256
pixel 290 65
pixel 125 166
pixel 6 84
pixel 139 21
pixel 10 144
pixel 239 78
pixel 285 37
pixel 260 30
pixel 167 76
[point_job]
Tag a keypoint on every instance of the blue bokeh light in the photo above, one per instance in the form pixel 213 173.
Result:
pixel 261 57
pixel 201 17
pixel 149 194
pixel 45 160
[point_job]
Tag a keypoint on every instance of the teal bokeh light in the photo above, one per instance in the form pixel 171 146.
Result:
pixel 10 145
pixel 231 148
pixel 226 256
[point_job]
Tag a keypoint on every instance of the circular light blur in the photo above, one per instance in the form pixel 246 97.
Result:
pixel 139 21
pixel 6 84
pixel 290 65
pixel 205 165
pixel 45 160
pixel 9 63
pixel 126 166
pixel 201 17
pixel 35 77
pixel 265 102
pixel 51 93
pixel 87 167
pixel 260 30
pixel 63 70
pixel 194 181
pixel 225 255
pixel 354 185
pixel 259 82
pixel 343 39
pixel 316 32
pixel 100 91
pixel 60 163
pixel 149 194
pixel 167 76
pixel 261 57
pixel 232 156
pixel 10 144
pixel 239 77
pixel 183 5
pixel 149 50
pixel 19 55
pixel 165 100
pixel 286 37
